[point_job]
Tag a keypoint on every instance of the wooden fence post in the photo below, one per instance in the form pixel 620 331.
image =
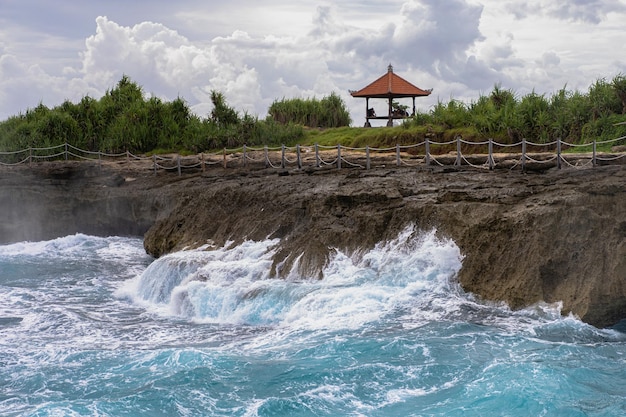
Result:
pixel 558 153
pixel 298 156
pixel 458 151
pixel 66 151
pixel 491 162
pixel 282 157
pixel 398 162
pixel 245 157
pixel 339 156
pixel 224 157
pixel 317 156
pixel 267 157
pixel 593 159
pixel 523 154
pixel 202 164
pixel 178 163
pixel 427 151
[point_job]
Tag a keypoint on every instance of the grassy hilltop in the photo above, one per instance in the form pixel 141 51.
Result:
pixel 124 119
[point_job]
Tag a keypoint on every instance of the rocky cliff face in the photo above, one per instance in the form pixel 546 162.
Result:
pixel 553 236
pixel 53 199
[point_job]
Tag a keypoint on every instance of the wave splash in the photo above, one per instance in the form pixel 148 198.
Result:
pixel 408 282
pixel 232 285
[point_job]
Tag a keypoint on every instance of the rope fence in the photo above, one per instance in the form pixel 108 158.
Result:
pixel 487 155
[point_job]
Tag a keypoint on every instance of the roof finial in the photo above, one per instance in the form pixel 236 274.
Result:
pixel 390 68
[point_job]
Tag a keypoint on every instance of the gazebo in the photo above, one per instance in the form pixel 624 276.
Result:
pixel 389 86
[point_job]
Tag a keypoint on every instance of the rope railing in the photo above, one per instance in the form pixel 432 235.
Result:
pixel 490 155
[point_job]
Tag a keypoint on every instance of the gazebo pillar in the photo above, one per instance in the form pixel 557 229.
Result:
pixel 390 121
pixel 367 112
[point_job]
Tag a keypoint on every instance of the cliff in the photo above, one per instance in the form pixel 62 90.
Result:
pixel 558 235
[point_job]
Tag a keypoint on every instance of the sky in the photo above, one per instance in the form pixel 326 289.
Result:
pixel 256 52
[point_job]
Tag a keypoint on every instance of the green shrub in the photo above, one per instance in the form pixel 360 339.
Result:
pixel 329 112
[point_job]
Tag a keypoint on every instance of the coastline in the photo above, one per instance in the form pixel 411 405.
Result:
pixel 526 237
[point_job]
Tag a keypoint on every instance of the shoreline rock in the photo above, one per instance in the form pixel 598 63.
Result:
pixel 557 235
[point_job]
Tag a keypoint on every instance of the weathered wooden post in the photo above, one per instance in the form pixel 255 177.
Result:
pixel 178 163
pixel 299 160
pixel 245 157
pixel 317 156
pixel 558 153
pixel 427 151
pixel 367 157
pixel 202 164
pixel 458 151
pixel 593 158
pixel 66 151
pixel 267 157
pixel 491 162
pixel 30 156
pixel 282 157
pixel 523 154
pixel 398 162
pixel 339 156
pixel 224 157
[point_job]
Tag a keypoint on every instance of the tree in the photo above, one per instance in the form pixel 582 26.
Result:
pixel 56 128
pixel 619 85
pixel 534 117
pixel 603 99
pixel 222 115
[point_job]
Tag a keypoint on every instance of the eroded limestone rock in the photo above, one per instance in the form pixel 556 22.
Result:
pixel 558 235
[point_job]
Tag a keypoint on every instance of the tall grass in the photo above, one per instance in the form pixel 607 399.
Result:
pixel 572 116
pixel 328 112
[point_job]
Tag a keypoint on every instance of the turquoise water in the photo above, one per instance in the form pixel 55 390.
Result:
pixel 93 327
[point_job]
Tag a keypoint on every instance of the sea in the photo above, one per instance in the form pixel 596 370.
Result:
pixel 92 326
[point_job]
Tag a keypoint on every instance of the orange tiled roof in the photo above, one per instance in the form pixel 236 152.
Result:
pixel 390 85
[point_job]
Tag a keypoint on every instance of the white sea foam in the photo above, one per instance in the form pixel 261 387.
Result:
pixel 232 284
pixel 124 249
pixel 411 279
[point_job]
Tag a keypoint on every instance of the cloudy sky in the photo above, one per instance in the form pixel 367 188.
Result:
pixel 258 51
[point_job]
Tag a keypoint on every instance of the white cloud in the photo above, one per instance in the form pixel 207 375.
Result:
pixel 24 86
pixel 590 11
pixel 461 48
pixel 549 59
